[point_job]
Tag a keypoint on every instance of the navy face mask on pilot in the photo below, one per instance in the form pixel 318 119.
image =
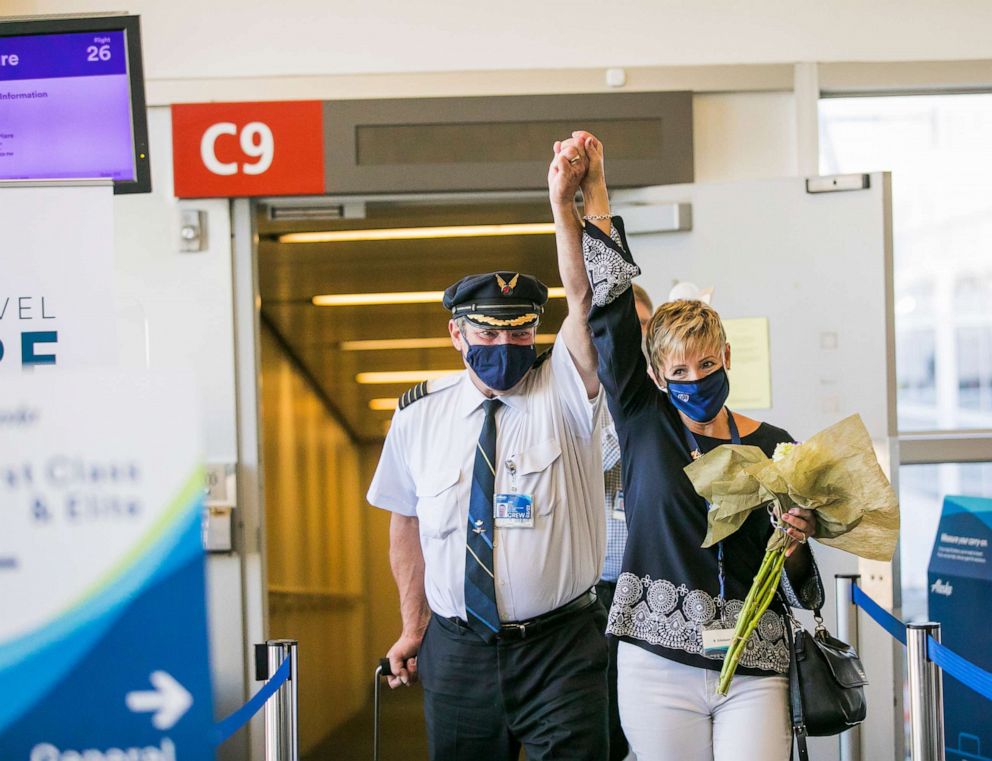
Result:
pixel 501 366
pixel 703 399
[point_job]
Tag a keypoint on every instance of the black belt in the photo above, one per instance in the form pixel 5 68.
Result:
pixel 517 630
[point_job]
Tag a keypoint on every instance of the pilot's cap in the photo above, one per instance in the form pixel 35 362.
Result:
pixel 501 300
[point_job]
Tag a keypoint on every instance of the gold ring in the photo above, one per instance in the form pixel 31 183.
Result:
pixel 575 160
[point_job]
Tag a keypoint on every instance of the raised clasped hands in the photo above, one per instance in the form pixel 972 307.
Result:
pixel 577 164
pixel 567 171
pixel 595 176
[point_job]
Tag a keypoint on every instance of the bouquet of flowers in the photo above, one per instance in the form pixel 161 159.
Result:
pixel 835 473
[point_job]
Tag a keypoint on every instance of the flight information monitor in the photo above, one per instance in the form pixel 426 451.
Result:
pixel 72 102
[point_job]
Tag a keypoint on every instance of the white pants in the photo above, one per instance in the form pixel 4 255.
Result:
pixel 671 712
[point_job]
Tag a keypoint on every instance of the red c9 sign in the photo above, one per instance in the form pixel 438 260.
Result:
pixel 248 149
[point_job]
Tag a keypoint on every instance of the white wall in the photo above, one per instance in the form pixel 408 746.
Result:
pixel 246 38
pixel 177 306
pixel 744 136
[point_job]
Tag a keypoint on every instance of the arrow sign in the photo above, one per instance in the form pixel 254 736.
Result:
pixel 169 700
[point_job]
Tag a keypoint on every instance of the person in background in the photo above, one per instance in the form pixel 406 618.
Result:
pixel 497 533
pixel 675 601
pixel 616 538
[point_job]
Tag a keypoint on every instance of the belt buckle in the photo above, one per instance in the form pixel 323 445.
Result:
pixel 518 629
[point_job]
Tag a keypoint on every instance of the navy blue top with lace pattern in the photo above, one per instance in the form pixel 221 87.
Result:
pixel 668 588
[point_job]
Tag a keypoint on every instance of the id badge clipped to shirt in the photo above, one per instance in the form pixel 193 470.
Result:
pixel 513 509
pixel 717 638
pixel 717 641
pixel 618 511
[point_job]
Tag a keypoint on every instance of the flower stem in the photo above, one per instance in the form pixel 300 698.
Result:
pixel 759 597
pixel 755 585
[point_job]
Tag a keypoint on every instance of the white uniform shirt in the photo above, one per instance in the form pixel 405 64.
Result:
pixel 550 430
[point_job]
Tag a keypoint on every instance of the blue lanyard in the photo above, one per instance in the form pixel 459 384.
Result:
pixel 735 437
pixel 694 451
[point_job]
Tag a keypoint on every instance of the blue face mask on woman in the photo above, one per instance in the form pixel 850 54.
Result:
pixel 501 366
pixel 703 399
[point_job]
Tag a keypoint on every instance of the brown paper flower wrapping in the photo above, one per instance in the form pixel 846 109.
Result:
pixel 835 473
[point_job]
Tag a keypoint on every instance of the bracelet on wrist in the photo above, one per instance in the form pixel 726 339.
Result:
pixel 595 217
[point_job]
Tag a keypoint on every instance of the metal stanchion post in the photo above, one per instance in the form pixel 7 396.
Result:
pixel 926 695
pixel 281 719
pixel 847 630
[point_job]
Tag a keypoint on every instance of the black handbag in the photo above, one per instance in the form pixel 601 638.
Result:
pixel 826 684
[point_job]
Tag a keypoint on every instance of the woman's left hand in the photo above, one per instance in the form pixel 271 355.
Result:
pixel 801 526
pixel 565 174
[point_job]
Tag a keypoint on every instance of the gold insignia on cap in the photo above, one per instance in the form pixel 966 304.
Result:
pixel 507 288
pixel 496 322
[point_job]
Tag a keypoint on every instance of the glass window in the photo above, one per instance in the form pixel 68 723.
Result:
pixel 937 150
pixel 915 371
pixel 922 489
pixel 975 368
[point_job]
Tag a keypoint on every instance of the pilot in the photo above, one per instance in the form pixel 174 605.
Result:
pixel 494 480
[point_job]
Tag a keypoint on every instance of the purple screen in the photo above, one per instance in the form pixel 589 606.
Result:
pixel 65 107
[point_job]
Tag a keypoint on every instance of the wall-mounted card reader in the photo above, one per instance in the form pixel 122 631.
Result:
pixel 219 505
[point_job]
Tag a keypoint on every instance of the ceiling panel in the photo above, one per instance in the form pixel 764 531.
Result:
pixel 291 274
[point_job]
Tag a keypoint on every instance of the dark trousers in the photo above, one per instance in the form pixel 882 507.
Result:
pixel 546 692
pixel 618 742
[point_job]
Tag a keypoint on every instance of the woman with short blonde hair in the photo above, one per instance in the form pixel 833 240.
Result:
pixel 676 601
pixel 681 327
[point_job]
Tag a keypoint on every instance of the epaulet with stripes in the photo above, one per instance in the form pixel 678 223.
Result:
pixel 411 395
pixel 545 356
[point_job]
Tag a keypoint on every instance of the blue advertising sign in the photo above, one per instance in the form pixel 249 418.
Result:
pixel 103 640
pixel 960 580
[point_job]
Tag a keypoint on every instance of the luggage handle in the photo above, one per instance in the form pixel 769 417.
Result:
pixel 383 669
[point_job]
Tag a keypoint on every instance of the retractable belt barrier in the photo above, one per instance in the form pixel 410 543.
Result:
pixel 927 659
pixel 964 671
pixel 223 730
pixel 960 668
pixel 276 663
pixel 878 614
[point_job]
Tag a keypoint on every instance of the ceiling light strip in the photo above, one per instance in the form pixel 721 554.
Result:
pixel 399 297
pixel 399 344
pixel 375 299
pixel 418 233
pixel 384 404
pixel 402 376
